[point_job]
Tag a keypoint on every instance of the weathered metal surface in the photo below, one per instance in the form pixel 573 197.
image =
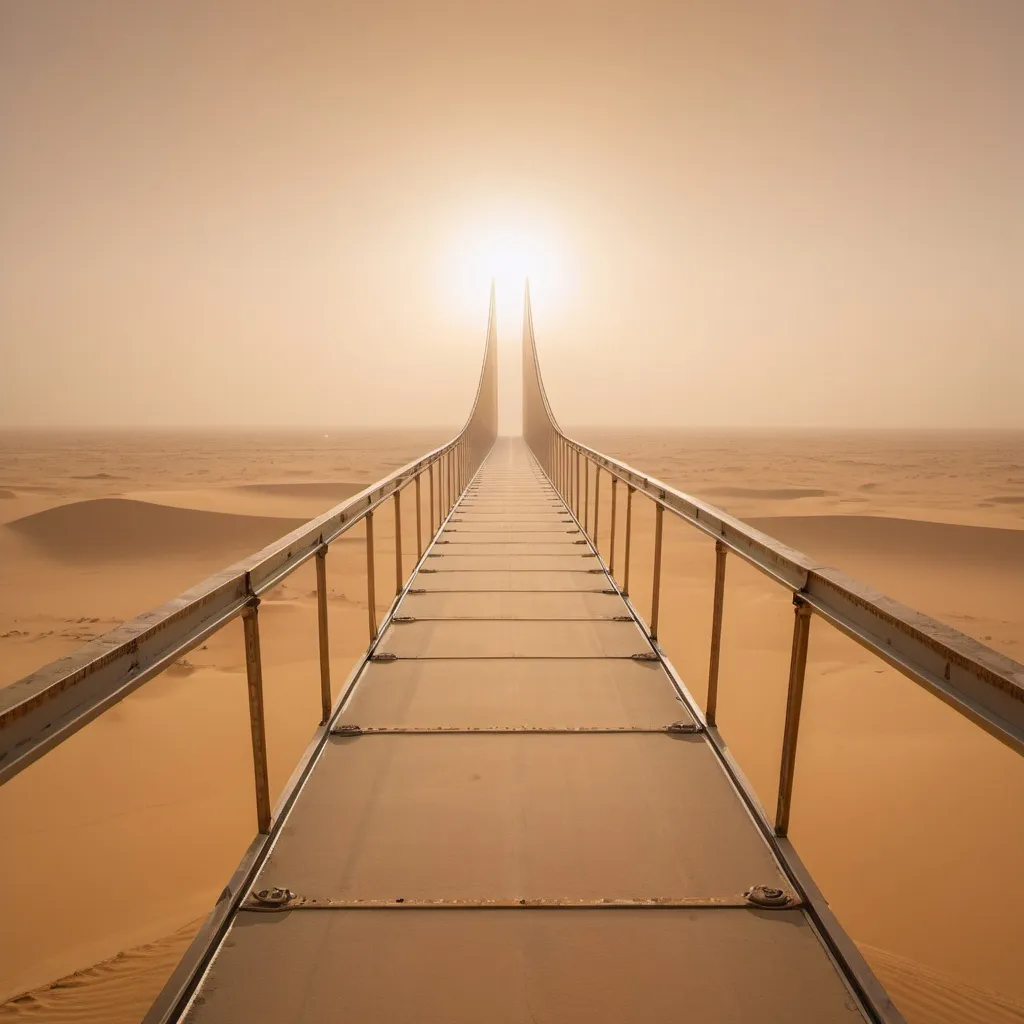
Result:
pixel 277 899
pixel 729 966
pixel 613 692
pixel 513 638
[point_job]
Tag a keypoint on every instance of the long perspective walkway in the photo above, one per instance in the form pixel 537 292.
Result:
pixel 516 819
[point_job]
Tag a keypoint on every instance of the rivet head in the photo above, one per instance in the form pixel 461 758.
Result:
pixel 274 896
pixel 767 896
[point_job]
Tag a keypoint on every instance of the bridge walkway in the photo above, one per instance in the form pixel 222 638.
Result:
pixel 516 819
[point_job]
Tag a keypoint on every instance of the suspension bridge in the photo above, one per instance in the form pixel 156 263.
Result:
pixel 515 810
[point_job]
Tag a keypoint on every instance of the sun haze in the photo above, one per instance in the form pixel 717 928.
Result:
pixel 761 213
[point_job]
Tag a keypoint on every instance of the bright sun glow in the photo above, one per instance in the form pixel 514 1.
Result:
pixel 507 253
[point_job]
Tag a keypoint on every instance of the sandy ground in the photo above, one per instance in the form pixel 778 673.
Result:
pixel 123 836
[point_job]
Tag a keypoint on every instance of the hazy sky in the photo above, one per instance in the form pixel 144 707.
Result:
pixel 761 213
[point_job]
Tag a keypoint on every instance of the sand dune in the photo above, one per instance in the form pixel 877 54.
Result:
pixel 7 494
pixel 115 991
pixel 106 529
pixel 927 997
pixel 986 547
pixel 771 493
pixel 335 491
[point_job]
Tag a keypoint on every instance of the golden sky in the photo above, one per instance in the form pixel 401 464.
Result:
pixel 761 213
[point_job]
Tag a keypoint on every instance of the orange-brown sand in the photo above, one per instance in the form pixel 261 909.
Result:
pixel 908 817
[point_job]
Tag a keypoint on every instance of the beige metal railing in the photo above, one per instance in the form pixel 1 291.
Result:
pixel 42 710
pixel 984 686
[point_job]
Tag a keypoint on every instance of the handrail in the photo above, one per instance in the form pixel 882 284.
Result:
pixel 43 709
pixel 982 684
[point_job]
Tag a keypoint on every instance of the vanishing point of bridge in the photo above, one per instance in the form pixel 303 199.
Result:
pixel 515 811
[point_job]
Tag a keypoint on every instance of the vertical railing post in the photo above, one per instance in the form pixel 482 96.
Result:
pixel 659 525
pixel 586 495
pixel 371 589
pixel 794 702
pixel 611 542
pixel 629 537
pixel 419 519
pixel 716 632
pixel 576 511
pixel 257 722
pixel 325 650
pixel 430 476
pixel 597 505
pixel 399 574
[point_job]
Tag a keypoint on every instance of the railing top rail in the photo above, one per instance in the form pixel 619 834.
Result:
pixel 40 710
pixel 979 682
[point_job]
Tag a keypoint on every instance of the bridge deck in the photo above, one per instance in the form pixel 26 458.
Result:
pixel 515 750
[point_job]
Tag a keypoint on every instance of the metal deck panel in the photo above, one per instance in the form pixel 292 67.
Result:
pixel 513 638
pixel 511 816
pixel 534 694
pixel 523 967
pixel 570 560
pixel 515 581
pixel 461 536
pixel 561 545
pixel 512 605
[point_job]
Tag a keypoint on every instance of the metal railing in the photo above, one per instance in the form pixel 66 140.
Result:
pixel 981 684
pixel 47 707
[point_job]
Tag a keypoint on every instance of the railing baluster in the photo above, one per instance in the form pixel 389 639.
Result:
pixel 716 632
pixel 257 722
pixel 399 574
pixel 659 525
pixel 611 542
pixel 419 519
pixel 586 494
pixel 430 476
pixel 629 537
pixel 794 702
pixel 576 511
pixel 371 590
pixel 325 651
pixel 597 505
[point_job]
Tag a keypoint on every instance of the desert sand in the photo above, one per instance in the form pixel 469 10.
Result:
pixel 121 839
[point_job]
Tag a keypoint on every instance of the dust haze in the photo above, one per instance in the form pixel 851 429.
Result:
pixel 765 213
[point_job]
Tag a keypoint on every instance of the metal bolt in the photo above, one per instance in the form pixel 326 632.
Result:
pixel 274 896
pixel 766 896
